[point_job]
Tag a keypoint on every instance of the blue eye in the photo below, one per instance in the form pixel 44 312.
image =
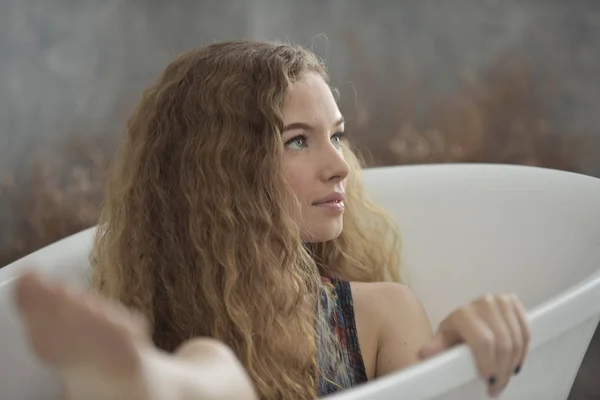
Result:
pixel 297 142
pixel 338 138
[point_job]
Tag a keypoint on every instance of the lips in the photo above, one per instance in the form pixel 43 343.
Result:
pixel 332 198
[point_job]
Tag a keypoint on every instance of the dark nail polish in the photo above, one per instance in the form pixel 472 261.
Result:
pixel 492 380
pixel 517 369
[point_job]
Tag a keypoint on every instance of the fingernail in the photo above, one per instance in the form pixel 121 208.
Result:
pixel 517 369
pixel 492 380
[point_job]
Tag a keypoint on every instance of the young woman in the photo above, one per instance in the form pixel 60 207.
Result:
pixel 235 211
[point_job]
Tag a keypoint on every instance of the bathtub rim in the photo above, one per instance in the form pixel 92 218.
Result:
pixel 454 367
pixel 576 304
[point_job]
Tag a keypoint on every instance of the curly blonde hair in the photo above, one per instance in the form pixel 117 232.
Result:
pixel 199 233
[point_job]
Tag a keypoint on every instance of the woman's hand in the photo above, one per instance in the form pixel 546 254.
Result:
pixel 496 329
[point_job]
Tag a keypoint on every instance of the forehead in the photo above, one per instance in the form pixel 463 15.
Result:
pixel 310 100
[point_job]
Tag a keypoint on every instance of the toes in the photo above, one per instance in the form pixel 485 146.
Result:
pixel 67 326
pixel 26 291
pixel 34 300
pixel 44 310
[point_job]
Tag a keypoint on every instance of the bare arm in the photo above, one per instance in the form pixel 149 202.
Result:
pixel 404 329
pixel 495 327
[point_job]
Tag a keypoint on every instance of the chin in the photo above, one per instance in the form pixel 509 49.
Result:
pixel 319 233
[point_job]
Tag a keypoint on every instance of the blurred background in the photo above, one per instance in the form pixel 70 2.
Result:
pixel 421 82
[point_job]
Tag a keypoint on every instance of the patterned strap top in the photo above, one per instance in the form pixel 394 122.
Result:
pixel 341 318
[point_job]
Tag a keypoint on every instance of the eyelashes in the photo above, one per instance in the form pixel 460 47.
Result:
pixel 298 141
pixel 341 136
pixel 301 141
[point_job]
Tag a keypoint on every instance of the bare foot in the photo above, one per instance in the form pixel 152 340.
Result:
pixel 94 346
pixel 102 351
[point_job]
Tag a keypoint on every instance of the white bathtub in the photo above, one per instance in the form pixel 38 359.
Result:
pixel 467 230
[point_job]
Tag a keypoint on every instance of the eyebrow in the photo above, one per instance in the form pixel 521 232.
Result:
pixel 305 126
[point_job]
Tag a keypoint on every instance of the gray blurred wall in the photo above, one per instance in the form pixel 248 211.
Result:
pixel 78 66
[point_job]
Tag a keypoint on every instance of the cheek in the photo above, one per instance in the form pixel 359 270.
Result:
pixel 297 184
pixel 297 179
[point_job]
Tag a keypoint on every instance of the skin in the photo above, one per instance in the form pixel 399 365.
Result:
pixel 393 328
pixel 312 158
pixel 101 350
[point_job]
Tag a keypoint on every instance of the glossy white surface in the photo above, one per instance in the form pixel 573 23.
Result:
pixel 467 230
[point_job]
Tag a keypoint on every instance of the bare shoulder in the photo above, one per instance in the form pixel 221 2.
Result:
pixel 381 290
pixel 392 316
pixel 383 298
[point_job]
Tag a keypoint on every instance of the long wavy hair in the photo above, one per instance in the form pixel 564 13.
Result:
pixel 199 233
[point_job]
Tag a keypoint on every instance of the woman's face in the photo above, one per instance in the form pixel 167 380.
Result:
pixel 313 162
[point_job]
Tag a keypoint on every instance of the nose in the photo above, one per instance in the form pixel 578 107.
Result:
pixel 335 168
